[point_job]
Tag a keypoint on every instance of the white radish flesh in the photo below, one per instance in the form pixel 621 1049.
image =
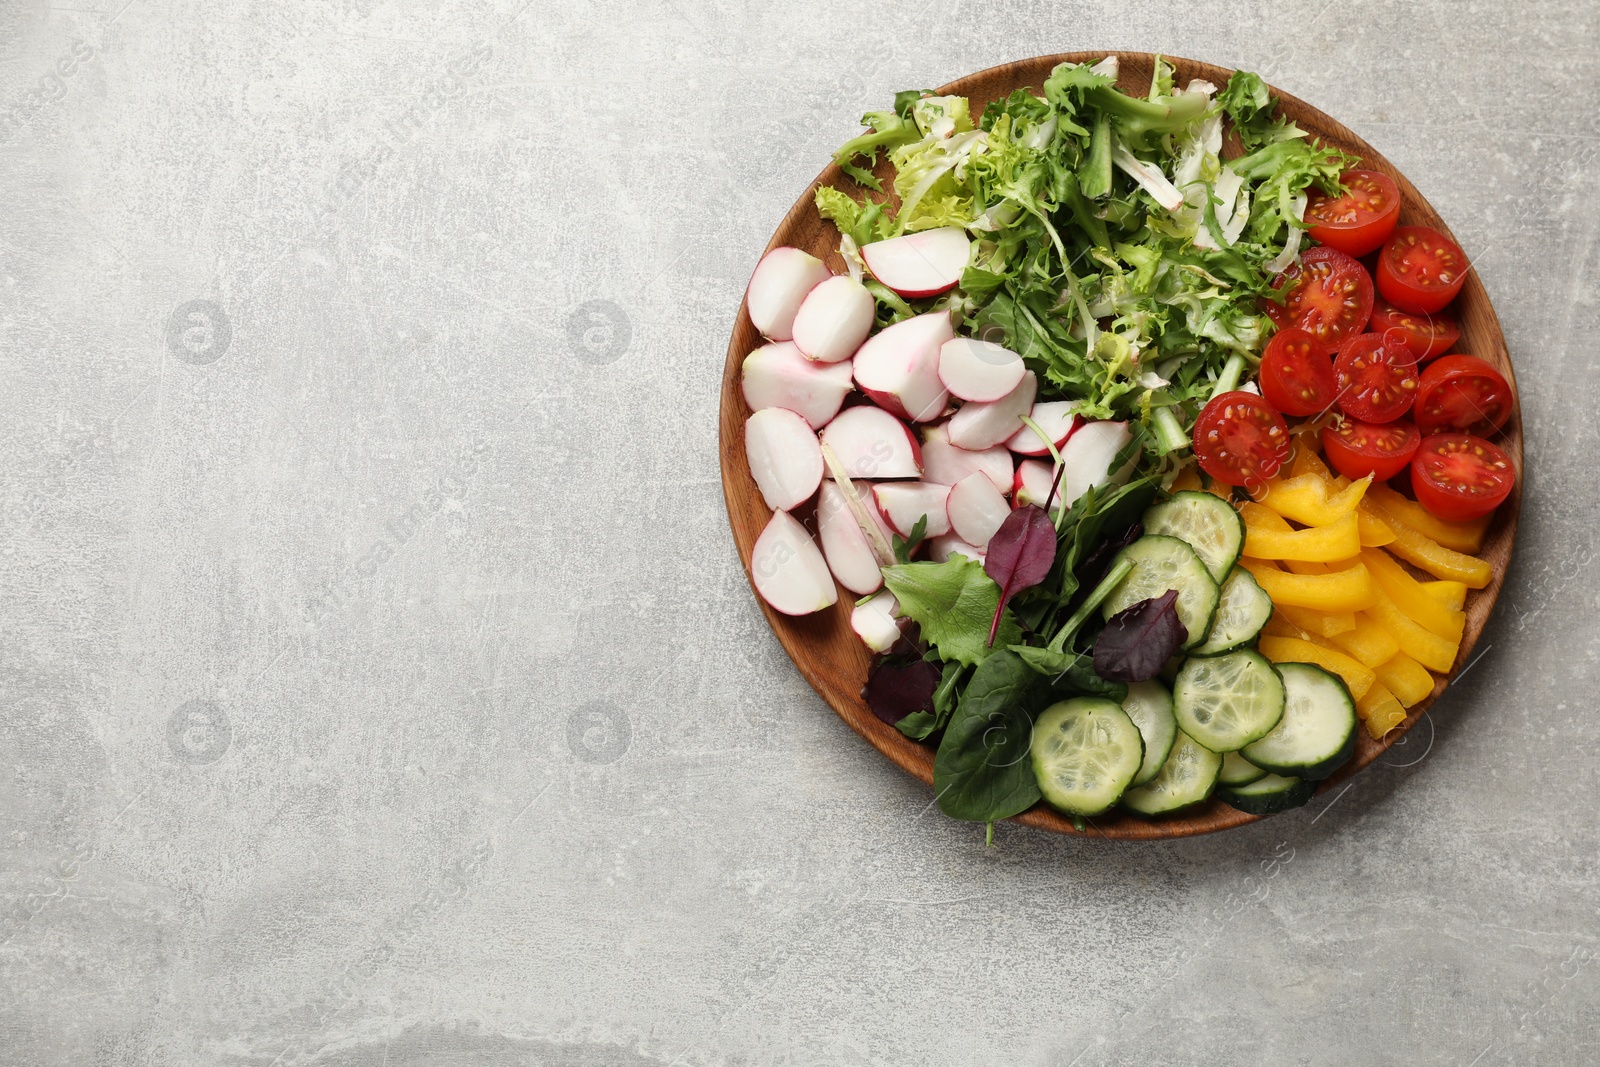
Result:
pixel 788 569
pixel 920 264
pixel 779 376
pixel 1088 457
pixel 876 621
pixel 944 463
pixel 778 287
pixel 834 319
pixel 979 370
pixel 898 367
pixel 784 456
pixel 976 510
pixel 940 549
pixel 1033 484
pixel 1055 418
pixel 979 426
pixel 903 503
pixel 849 554
pixel 871 443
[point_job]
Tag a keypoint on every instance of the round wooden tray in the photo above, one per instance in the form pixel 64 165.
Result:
pixel 823 646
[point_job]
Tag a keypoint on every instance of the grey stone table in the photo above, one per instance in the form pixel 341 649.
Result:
pixel 380 682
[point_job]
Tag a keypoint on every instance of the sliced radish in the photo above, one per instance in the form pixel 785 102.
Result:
pixel 779 285
pixel 944 463
pixel 1056 418
pixel 919 264
pixel 784 455
pixel 788 568
pixel 940 549
pixel 903 503
pixel 980 426
pixel 834 319
pixel 876 621
pixel 778 376
pixel 1033 484
pixel 979 370
pixel 871 443
pixel 848 552
pixel 1088 456
pixel 976 509
pixel 898 367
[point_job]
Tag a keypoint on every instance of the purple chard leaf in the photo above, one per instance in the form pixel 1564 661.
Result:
pixel 1138 640
pixel 895 690
pixel 1020 555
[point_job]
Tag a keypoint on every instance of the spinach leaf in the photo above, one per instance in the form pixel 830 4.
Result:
pixel 1070 673
pixel 982 771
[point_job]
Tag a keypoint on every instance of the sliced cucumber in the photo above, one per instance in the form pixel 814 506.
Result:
pixel 1269 795
pixel 1187 777
pixel 1149 705
pixel 1225 702
pixel 1243 608
pixel 1237 771
pixel 1318 730
pixel 1161 563
pixel 1207 523
pixel 1085 752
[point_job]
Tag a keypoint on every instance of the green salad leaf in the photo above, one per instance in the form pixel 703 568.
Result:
pixel 982 772
pixel 954 604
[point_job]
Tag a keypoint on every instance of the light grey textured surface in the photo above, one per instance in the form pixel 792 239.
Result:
pixel 380 682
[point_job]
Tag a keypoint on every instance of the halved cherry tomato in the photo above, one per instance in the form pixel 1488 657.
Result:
pixel 1357 449
pixel 1377 381
pixel 1361 219
pixel 1425 335
pixel 1296 376
pixel 1329 297
pixel 1462 394
pixel 1459 477
pixel 1420 269
pixel 1240 440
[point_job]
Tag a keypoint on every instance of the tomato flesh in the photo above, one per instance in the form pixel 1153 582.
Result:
pixel 1377 381
pixel 1426 336
pixel 1420 269
pixel 1240 440
pixel 1357 449
pixel 1462 394
pixel 1360 220
pixel 1329 295
pixel 1296 375
pixel 1459 476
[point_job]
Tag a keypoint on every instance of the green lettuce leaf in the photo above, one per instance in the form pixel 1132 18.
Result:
pixel 954 603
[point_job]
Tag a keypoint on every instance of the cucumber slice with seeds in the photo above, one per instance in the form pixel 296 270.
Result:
pixel 1186 779
pixel 1208 523
pixel 1318 730
pixel 1269 795
pixel 1243 608
pixel 1225 702
pixel 1236 771
pixel 1085 751
pixel 1149 705
pixel 1161 563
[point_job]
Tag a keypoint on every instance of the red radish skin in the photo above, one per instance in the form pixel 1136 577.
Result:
pixel 1032 484
pixel 979 426
pixel 903 503
pixel 871 443
pixel 785 458
pixel 941 549
pixel 845 547
pixel 920 264
pixel 834 319
pixel 876 621
pixel 1056 418
pixel 898 367
pixel 980 371
pixel 788 569
pixel 1088 457
pixel 778 287
pixel 944 463
pixel 779 376
pixel 976 510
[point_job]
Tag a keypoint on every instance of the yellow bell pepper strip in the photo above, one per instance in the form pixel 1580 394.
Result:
pixel 1321 623
pixel 1426 553
pixel 1409 596
pixel 1380 710
pixel 1357 677
pixel 1375 533
pixel 1306 460
pixel 1338 540
pixel 1263 518
pixel 1312 499
pixel 1280 625
pixel 1452 595
pixel 1350 589
pixel 1460 536
pixel 1300 566
pixel 1407 679
pixel 1368 642
pixel 1415 640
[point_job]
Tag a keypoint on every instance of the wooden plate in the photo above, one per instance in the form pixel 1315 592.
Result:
pixel 827 651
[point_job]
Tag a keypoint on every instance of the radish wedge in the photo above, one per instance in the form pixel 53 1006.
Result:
pixel 976 510
pixel 871 443
pixel 1055 418
pixel 898 367
pixel 1087 458
pixel 944 463
pixel 778 376
pixel 979 370
pixel 834 319
pixel 903 503
pixel 940 549
pixel 785 458
pixel 788 569
pixel 1033 484
pixel 980 426
pixel 920 264
pixel 849 554
pixel 779 285
pixel 876 621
